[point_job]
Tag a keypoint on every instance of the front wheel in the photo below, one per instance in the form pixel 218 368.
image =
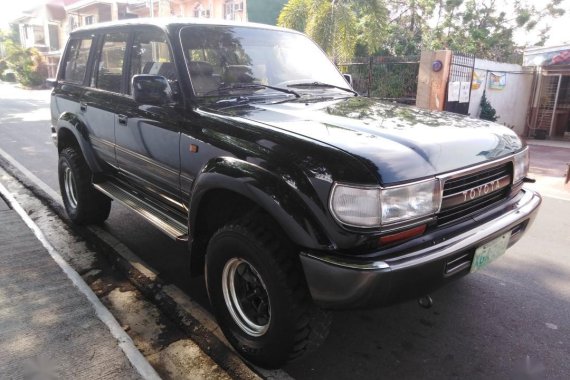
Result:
pixel 259 296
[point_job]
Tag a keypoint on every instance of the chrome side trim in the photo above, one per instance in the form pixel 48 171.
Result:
pixel 160 219
pixel 147 160
pixel 151 187
pixel 526 206
pixel 101 142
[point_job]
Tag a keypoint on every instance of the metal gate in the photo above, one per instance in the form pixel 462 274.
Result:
pixel 460 71
pixel 388 78
pixel 548 101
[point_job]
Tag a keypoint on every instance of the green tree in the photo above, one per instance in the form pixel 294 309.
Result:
pixel 481 28
pixel 405 27
pixel 338 26
pixel 409 23
pixel 487 110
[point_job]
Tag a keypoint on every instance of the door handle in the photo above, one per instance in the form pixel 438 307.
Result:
pixel 122 119
pixel 83 106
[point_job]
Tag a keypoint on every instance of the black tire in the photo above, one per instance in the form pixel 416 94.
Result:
pixel 292 325
pixel 83 203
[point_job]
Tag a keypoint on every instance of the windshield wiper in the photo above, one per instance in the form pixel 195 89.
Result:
pixel 245 86
pixel 321 84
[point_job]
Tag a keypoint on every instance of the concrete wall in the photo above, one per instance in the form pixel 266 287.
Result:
pixel 511 103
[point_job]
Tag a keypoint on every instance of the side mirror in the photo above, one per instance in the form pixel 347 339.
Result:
pixel 151 89
pixel 348 78
pixel 51 82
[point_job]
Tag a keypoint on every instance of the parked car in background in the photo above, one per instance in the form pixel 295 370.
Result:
pixel 295 194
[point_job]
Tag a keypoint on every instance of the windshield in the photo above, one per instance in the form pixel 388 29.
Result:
pixel 222 58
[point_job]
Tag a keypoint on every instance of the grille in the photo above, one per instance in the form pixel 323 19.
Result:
pixel 452 209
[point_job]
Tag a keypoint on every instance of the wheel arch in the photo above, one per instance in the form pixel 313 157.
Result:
pixel 72 132
pixel 227 189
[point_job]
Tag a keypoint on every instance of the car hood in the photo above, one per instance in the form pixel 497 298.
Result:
pixel 398 143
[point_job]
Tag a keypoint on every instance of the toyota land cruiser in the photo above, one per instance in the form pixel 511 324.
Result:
pixel 294 194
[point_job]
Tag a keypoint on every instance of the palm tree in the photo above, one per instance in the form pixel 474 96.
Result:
pixel 338 25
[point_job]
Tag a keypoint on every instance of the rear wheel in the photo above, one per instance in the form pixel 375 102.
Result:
pixel 83 203
pixel 259 295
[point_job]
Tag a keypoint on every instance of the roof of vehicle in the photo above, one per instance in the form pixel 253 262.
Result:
pixel 164 22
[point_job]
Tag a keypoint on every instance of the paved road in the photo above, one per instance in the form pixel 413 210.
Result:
pixel 512 316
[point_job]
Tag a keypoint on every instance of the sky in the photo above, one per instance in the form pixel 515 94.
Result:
pixel 12 9
pixel 559 34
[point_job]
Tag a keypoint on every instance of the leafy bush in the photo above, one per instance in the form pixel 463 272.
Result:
pixel 27 64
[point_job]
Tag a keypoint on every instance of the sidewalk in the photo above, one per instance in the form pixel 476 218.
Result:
pixel 49 328
pixel 550 143
pixel 549 161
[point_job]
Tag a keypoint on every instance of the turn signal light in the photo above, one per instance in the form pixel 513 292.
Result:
pixel 402 235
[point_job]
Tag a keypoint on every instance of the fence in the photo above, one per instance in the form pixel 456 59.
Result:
pixel 460 71
pixel 388 78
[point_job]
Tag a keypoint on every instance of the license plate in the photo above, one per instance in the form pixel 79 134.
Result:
pixel 490 251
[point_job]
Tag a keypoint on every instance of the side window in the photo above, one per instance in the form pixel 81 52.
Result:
pixel 151 55
pixel 108 72
pixel 75 64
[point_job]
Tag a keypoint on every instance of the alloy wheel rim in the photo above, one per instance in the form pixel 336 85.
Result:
pixel 246 297
pixel 70 187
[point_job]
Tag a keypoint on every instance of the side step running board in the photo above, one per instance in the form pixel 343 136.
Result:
pixel 159 218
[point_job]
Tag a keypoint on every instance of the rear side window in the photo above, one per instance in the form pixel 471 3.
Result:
pixel 75 64
pixel 108 73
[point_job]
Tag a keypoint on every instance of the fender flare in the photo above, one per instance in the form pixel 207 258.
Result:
pixel 280 200
pixel 68 121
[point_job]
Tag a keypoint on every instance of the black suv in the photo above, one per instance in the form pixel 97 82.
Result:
pixel 294 194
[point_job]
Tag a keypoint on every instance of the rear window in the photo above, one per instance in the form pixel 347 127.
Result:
pixel 75 64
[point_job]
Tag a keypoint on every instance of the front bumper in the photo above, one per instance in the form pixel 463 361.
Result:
pixel 338 283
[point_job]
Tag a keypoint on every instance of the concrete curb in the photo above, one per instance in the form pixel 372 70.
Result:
pixel 137 360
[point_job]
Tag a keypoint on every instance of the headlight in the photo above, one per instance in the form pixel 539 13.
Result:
pixel 521 164
pixel 374 206
pixel 410 201
pixel 356 206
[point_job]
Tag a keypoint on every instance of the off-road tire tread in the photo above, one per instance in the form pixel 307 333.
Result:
pixel 93 206
pixel 312 324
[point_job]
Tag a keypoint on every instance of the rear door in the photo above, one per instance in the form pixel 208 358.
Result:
pixel 105 90
pixel 148 136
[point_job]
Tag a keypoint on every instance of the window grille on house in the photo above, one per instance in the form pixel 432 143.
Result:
pixel 53 37
pixel 200 12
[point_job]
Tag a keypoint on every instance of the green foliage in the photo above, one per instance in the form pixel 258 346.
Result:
pixel 27 64
pixel 338 26
pixel 405 27
pixel 295 15
pixel 479 27
pixel 487 110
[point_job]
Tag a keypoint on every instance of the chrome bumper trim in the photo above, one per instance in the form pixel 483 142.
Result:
pixel 524 208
